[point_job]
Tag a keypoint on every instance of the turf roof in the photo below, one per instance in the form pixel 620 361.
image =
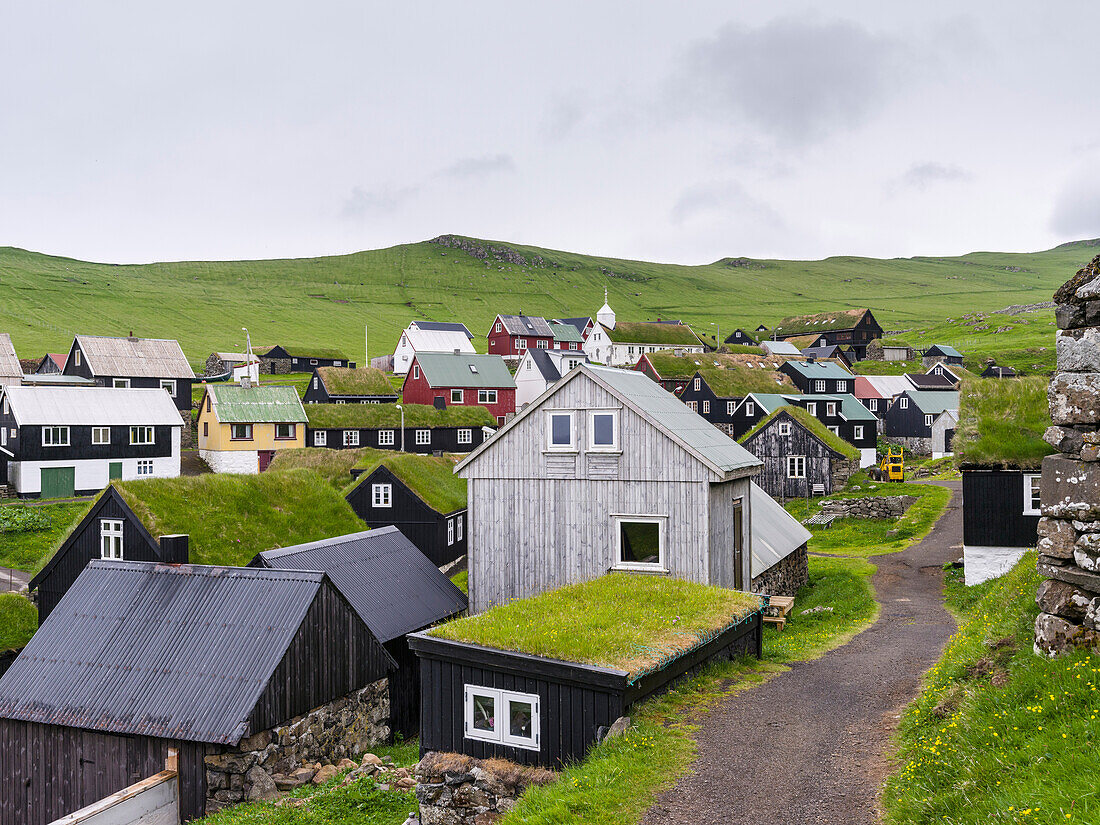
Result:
pixel 670 366
pixel 309 352
pixel 641 332
pixel 736 379
pixel 1001 423
pixel 431 479
pixel 359 381
pixel 350 416
pixel 819 322
pixel 810 422
pixel 621 620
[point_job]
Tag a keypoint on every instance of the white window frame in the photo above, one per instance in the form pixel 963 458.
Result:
pixel 542 344
pixel 857 432
pixel 143 435
pixel 696 385
pixel 465 436
pixel 169 386
pixel 385 438
pixel 613 447
pixel 784 427
pixel 643 567
pixel 456 396
pixel 903 402
pixel 835 430
pixel 730 407
pixel 111 539
pixel 246 437
pixel 313 362
pixel 100 431
pixel 144 467
pixel 58 437
pixel 1029 501
pixel 423 437
pixel 486 396
pixel 501 716
pixel 521 343
pixel 293 431
pixel 830 408
pixel 693 406
pixel 750 408
pixel 706 406
pixel 381 495
pixel 350 438
pixel 458 528
pixel 498 327
pixel 416 371
pixel 929 419
pixel 571 447
pixel 76 357
pixel 842 386
pixel 337 363
pixel 796 466
pixel 819 386
pixel 320 438
pixel 811 407
pixel 872 404
pixel 120 383
pixel 316 382
pixel 450 531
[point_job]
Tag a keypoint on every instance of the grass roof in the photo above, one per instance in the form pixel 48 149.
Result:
pixel 671 366
pixel 334 466
pixel 431 478
pixel 359 381
pixel 810 422
pixel 738 378
pixel 819 322
pixel 623 621
pixel 642 332
pixel 309 352
pixel 231 518
pixel 387 415
pixel 1001 423
pixel 742 349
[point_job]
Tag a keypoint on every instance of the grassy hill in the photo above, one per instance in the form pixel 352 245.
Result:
pixel 44 300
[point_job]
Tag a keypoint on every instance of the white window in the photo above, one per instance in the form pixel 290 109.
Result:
pixel 603 430
pixel 351 438
pixel 497 328
pixel 857 432
pixel 694 407
pixel 120 383
pixel 784 427
pixel 696 384
pixel 285 432
pixel 819 386
pixel 294 360
pixel 560 435
pixel 842 386
pixel 572 345
pixel 750 408
pixel 730 406
pixel 101 435
pixel 416 370
pixel 341 401
pixel 423 436
pixel 465 436
pixel 240 432
pixel 630 350
pixel 928 418
pixel 486 396
pixel 110 539
pixel 316 382
pixel 3 436
pixel 458 528
pixel 55 436
pixel 872 404
pixel 169 387
pixel 796 466
pixel 528 365
pixel 450 531
pixel 903 402
pixel 502 716
pixel 320 438
pixel 145 467
pixel 1032 484
pixel 542 344
pixel 382 495
pixel 336 363
pixel 76 357
pixel 313 362
pixel 830 408
pixel 834 430
pixel 142 435
pixel 706 407
pixel 811 407
pixel 385 438
pixel 640 543
pixel 456 396
pixel 521 343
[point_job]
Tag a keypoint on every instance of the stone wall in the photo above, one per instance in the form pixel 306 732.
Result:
pixel 785 577
pixel 274 366
pixel 914 444
pixel 455 789
pixel 260 764
pixel 246 462
pixel 1069 531
pixel 842 469
pixel 870 507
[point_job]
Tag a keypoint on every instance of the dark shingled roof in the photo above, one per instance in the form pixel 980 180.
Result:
pixel 393 587
pixel 444 326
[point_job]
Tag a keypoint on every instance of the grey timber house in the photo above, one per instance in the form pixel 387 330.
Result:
pixel 605 471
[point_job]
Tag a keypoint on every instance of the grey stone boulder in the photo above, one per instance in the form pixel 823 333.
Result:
pixel 617 728
pixel 1075 398
pixel 1086 552
pixel 1070 488
pixel 1062 599
pixel 1079 350
pixel 1055 636
pixel 260 785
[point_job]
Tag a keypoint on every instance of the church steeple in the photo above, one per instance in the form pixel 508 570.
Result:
pixel 606 315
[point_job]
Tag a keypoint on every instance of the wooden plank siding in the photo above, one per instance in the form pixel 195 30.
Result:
pixel 773 449
pixel 993 510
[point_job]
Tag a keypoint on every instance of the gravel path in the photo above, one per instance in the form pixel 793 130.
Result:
pixel 809 745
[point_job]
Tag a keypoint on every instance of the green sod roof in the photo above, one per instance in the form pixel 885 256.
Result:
pixel 819 322
pixel 231 518
pixel 640 332
pixel 824 434
pixel 431 479
pixel 360 381
pixel 18 621
pixel 334 466
pixel 1001 423
pixel 240 405
pixel 466 369
pixel 296 351
pixel 736 380
pixel 566 333
pixel 354 416
pixel 621 620
pixel 671 367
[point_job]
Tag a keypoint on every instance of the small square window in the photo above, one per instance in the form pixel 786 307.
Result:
pixel 101 435
pixel 465 436
pixel 784 427
pixel 320 438
pixel 351 438
pixel 501 716
pixel 603 429
pixel 830 408
pixel 169 387
pixel 811 407
pixel 796 466
pixel 423 437
pixel 486 397
pixel 857 432
pixel 640 542
pixel 382 495
pixel 145 467
pixel 456 396
pixel 561 431
pixel 385 438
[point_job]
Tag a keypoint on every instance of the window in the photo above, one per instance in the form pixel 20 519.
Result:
pixel 456 396
pixel 528 365
pixel 872 404
pixel 341 401
pixel 142 435
pixel 857 432
pixel 486 396
pixel 572 345
pixel 351 438
pixel 630 350
pixel 336 363
pixel 928 419
pixel 208 403
pixel 903 402
pixel 316 382
pixel 385 438
pixel 603 430
pixel 695 385
pixel 101 435
pixel 320 438
pixel 501 716
pixel 811 407
pixel 730 406
pixel 706 407
pixel 1032 484
pixel 497 328
pixel 416 370
pixel 145 467
pixel 458 528
pixel 450 531
pixel 120 383
pixel 294 360
pixel 640 542
pixel 750 408
pixel 834 430
pixel 285 432
pixel 796 466
pixel 423 436
pixel 521 343
pixel 842 386
pixel 561 431
pixel 693 406
pixel 938 370
pixel 819 386
pixel 465 436
pixel 784 427
pixel 542 344
pixel 110 539
pixel 313 362
pixel 830 408
pixel 55 436
pixel 76 357
pixel 381 495
pixel 205 429
pixel 169 387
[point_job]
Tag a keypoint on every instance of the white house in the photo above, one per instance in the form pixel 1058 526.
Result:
pixel 621 343
pixel 11 373
pixel 780 348
pixel 429 336
pixel 539 369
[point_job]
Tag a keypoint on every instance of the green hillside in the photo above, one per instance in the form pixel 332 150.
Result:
pixel 44 300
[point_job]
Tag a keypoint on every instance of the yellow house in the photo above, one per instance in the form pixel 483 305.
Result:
pixel 241 427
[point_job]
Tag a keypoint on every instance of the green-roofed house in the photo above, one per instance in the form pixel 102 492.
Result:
pixel 293 358
pixel 410 428
pixel 622 343
pixel 715 389
pixel 909 419
pixel 606 471
pixel 341 385
pixel 241 427
pixel 854 328
pixel 455 379
pixel 842 414
pixel 566 336
pixel 941 354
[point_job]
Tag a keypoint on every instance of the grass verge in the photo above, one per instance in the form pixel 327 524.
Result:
pixel 29 551
pixel 18 621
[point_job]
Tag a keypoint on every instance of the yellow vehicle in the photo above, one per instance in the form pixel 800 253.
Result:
pixel 892 466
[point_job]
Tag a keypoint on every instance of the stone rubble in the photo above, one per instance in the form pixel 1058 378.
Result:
pixel 455 789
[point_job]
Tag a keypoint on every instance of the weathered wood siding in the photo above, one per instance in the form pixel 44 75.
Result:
pixel 726 568
pixel 773 449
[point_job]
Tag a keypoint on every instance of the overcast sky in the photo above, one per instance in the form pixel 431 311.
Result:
pixel 680 131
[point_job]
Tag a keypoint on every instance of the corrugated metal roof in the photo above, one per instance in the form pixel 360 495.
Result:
pixel 442 326
pixel 885 386
pixel 439 340
pixel 775 532
pixel 850 406
pixel 9 361
pixel 929 381
pixel 580 323
pixel 135 357
pixel 393 587
pixel 566 333
pixel 525 325
pixel 173 651
pixel 98 406
pixel 251 405
pixel 769 401
pixel 934 402
pixel 445 369
pixel 54 379
pixel 819 369
pixel 945 349
pixel 780 347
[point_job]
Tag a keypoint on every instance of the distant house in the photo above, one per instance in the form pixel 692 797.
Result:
pixel 240 427
pixel 455 380
pixel 831 352
pixel 418 494
pixel 538 369
pixel 51 364
pixel 511 335
pixel 876 392
pixel 57 442
pixel 672 369
pixel 233 366
pixel 840 413
pixel 282 360
pixel 819 376
pixel 941 354
pixel 909 419
pixel 238 673
pixel 133 362
pixel 781 349
pixel 943 433
pixel 740 337
pixel 993 371
pixel 583 325
pixel 716 389
pixel 429 336
pixel 566 337
pixel 427 429
pixel 621 344
pixel 11 371
pixel 938 378
pixel 851 327
pixel 896 351
pixel 801 456
pixel 610 450
pixel 393 588
pixel 361 385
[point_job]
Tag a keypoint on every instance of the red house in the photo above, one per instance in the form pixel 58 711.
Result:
pixel 511 335
pixel 457 379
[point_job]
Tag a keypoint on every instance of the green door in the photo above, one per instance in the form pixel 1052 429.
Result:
pixel 114 471
pixel 58 482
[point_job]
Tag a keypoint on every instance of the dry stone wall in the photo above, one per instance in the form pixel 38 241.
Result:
pixel 786 576
pixel 870 507
pixel 454 789
pixel 1069 531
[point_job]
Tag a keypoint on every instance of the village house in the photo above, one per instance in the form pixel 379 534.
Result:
pixel 340 385
pixel 819 376
pixel 876 392
pixel 566 337
pixel 583 325
pixel 716 389
pixel 607 471
pixel 281 360
pixel 943 433
pixel 11 371
pixel 512 335
pixel 896 351
pixel 841 413
pixel 855 328
pixel 740 337
pixel 781 349
pixel 137 363
pixel 51 364
pixel 941 354
pixel 460 379
pixel 780 556
pixel 57 442
pixel 429 336
pixel 411 428
pixel 538 369
pixel 672 369
pixel 828 352
pixel 241 427
pixel 621 344
pixel 994 371
pixel 909 419
pixel 937 379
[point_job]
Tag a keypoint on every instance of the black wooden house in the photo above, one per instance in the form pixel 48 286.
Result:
pixel 341 385
pixel 851 327
pixel 841 414
pixel 912 413
pixel 715 393
pixel 427 429
pixel 279 359
pixel 819 377
pixel 740 337
pixel 802 458
pixel 133 362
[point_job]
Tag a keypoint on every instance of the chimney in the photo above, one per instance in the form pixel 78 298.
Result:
pixel 131 336
pixel 458 351
pixel 173 549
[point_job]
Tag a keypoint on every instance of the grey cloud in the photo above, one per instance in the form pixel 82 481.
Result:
pixel 1076 213
pixel 722 199
pixel 921 176
pixel 478 167
pixel 361 202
